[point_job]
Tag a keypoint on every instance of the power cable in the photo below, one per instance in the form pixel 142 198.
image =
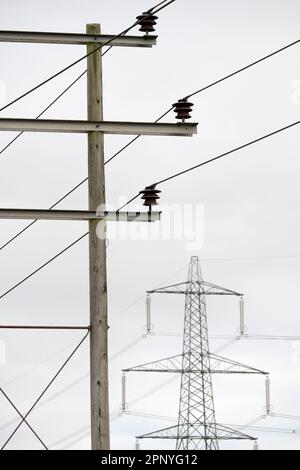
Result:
pixel 43 266
pixel 138 136
pixel 259 139
pixel 83 432
pixel 284 416
pixel 143 296
pixel 213 159
pixel 244 68
pixel 57 74
pixel 237 337
pixel 263 429
pixel 137 195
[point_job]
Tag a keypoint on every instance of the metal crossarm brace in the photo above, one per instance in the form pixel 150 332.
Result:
pixel 107 127
pixel 74 38
pixel 109 216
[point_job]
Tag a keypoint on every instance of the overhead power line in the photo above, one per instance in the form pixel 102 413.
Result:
pixel 137 195
pixel 43 266
pixel 251 258
pixel 153 10
pixel 236 337
pixel 244 68
pixel 213 159
pixel 138 136
pixel 285 416
pixel 47 107
pixel 229 152
pixel 115 413
pixel 263 429
pixel 84 431
pixel 260 429
pixel 124 310
pixel 210 85
pixel 51 104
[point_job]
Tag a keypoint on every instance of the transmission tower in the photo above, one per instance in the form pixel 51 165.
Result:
pixel 197 427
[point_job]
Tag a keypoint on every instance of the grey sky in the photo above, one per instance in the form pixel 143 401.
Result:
pixel 250 202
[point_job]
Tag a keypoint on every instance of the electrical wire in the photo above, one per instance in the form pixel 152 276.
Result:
pixel 138 136
pixel 72 384
pixel 251 258
pixel 112 358
pixel 263 429
pixel 259 139
pixel 42 266
pixel 213 159
pixel 284 416
pixel 115 413
pixel 85 431
pixel 243 68
pixel 68 67
pixel 175 175
pixel 142 297
pixel 156 6
pixel 47 107
pixel 237 337
pixel 135 197
pixel 37 365
pixel 51 104
pixel 85 179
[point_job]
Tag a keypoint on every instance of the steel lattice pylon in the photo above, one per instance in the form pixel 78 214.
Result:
pixel 196 393
pixel 196 428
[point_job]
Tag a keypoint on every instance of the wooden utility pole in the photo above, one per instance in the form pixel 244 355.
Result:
pixel 97 255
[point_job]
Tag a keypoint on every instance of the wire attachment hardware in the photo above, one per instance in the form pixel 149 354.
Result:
pixel 150 196
pixel 183 108
pixel 147 22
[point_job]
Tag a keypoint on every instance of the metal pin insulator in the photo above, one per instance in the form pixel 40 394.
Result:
pixel 147 22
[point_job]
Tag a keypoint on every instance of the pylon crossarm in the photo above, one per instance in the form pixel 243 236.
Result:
pixel 197 431
pixel 218 365
pixel 169 364
pixel 222 365
pixel 203 287
pixel 213 289
pixel 180 288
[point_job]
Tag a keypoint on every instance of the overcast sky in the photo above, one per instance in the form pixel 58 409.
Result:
pixel 247 204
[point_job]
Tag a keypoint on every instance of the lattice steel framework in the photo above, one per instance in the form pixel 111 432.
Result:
pixel 197 428
pixel 196 392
